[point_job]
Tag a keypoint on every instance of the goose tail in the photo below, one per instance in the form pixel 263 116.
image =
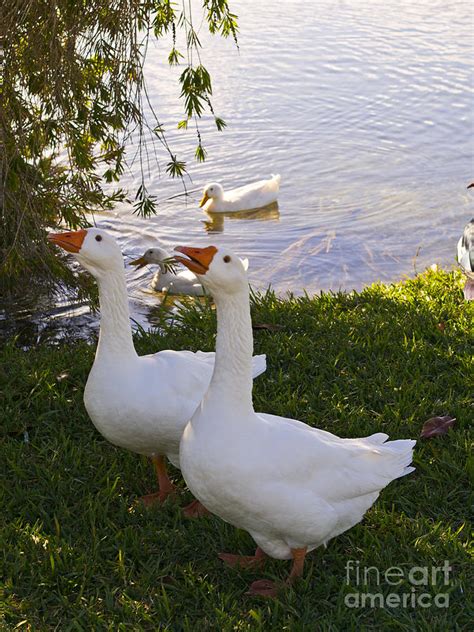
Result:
pixel 276 177
pixel 259 365
pixel 377 438
pixel 402 455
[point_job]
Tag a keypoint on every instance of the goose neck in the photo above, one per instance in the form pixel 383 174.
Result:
pixel 232 377
pixel 115 335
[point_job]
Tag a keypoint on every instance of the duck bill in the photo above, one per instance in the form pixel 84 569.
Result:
pixel 70 241
pixel 198 259
pixel 204 199
pixel 141 262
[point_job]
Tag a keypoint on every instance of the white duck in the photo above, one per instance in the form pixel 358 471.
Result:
pixel 466 258
pixel 292 487
pixel 165 280
pixel 250 196
pixel 141 403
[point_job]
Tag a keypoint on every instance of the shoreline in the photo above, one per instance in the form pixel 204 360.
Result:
pixel 62 320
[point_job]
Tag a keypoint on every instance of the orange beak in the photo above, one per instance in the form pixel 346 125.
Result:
pixel 199 259
pixel 204 199
pixel 141 262
pixel 70 241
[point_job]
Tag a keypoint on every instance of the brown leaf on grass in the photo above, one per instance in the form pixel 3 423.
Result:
pixel 437 426
pixel 441 326
pixel 267 327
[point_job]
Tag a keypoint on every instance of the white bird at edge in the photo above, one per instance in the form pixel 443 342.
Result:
pixel 249 196
pixel 140 403
pixel 291 486
pixel 166 280
pixel 465 256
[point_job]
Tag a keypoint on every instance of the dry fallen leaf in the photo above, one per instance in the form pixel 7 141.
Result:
pixel 437 426
pixel 267 326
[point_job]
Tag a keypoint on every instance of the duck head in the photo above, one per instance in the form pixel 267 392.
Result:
pixel 96 250
pixel 213 191
pixel 152 255
pixel 220 270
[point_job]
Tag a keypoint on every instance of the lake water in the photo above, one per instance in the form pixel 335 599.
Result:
pixel 365 108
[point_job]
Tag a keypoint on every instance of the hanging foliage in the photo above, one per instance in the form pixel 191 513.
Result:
pixel 72 91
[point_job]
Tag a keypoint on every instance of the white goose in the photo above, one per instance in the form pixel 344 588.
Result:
pixel 141 403
pixel 292 487
pixel 249 196
pixel 182 282
pixel 466 258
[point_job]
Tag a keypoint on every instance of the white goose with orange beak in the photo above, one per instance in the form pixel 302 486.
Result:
pixel 292 487
pixel 165 280
pixel 247 197
pixel 141 403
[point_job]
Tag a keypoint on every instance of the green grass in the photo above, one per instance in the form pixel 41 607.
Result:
pixel 79 553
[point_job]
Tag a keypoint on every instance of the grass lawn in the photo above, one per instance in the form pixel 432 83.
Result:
pixel 79 553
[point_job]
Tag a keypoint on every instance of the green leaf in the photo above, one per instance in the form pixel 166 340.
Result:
pixel 200 153
pixel 145 204
pixel 173 57
pixel 176 168
pixel 220 123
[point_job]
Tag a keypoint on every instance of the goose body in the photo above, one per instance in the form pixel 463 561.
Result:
pixel 291 486
pixel 465 256
pixel 140 403
pixel 286 503
pixel 182 282
pixel 250 196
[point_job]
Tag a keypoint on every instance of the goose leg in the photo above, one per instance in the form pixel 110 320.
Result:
pixel 267 588
pixel 165 486
pixel 244 561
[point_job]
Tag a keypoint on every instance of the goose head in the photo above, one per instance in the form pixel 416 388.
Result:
pixel 220 270
pixel 213 191
pixel 96 250
pixel 152 255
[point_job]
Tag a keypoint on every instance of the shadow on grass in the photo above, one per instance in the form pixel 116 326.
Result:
pixel 79 553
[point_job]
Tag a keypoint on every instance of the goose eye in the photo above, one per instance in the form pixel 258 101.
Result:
pixel 98 238
pixel 227 258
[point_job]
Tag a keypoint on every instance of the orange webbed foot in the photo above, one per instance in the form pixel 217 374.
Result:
pixel 264 588
pixel 195 510
pixel 267 588
pixel 158 497
pixel 165 486
pixel 243 561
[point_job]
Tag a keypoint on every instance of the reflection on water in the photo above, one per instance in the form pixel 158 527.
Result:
pixel 366 111
pixel 267 213
pixel 40 318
